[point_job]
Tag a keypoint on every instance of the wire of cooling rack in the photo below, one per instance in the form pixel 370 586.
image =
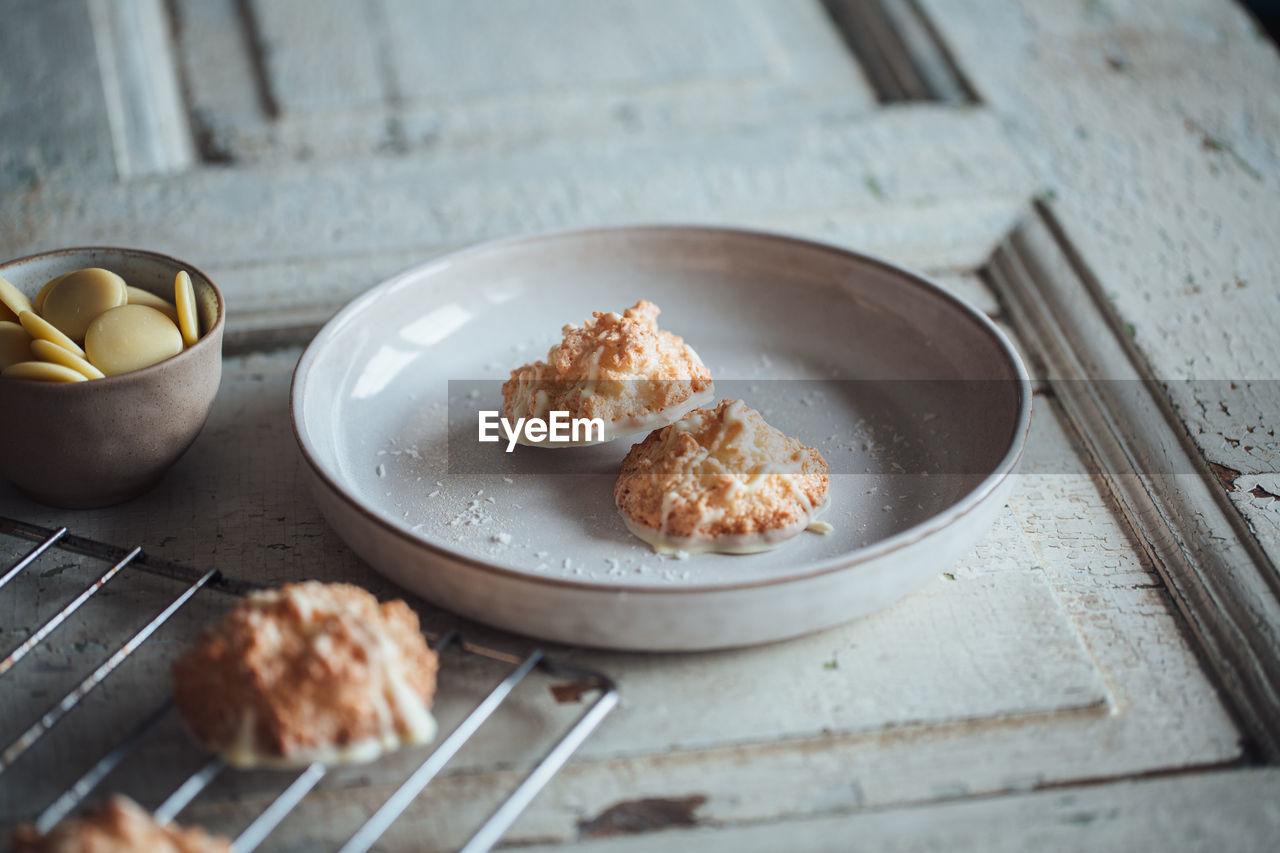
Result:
pixel 266 821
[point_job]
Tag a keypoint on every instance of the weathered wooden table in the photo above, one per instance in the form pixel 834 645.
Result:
pixel 1102 178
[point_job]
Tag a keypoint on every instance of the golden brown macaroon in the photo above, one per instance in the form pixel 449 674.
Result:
pixel 120 826
pixel 620 368
pixel 309 672
pixel 720 480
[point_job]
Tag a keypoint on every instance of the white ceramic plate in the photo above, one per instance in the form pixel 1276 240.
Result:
pixel 917 401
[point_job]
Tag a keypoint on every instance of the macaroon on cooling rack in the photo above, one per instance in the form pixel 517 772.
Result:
pixel 123 562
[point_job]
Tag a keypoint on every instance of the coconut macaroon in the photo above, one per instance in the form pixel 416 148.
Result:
pixel 620 368
pixel 309 672
pixel 120 826
pixel 720 480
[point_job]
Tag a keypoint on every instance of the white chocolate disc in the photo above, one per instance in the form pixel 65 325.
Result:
pixel 42 371
pixel 73 303
pixel 37 304
pixel 184 296
pixel 138 296
pixel 54 354
pixel 12 298
pixel 129 338
pixel 39 327
pixel 15 344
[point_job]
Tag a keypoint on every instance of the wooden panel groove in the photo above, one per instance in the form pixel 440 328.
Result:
pixel 1220 578
pixel 140 86
pixel 251 32
pixel 902 53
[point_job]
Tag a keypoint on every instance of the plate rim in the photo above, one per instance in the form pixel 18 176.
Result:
pixel 953 513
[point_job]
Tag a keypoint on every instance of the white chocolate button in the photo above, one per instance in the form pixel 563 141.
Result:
pixel 15 344
pixel 54 354
pixel 15 300
pixel 38 327
pixel 42 371
pixel 37 304
pixel 73 303
pixel 129 338
pixel 184 296
pixel 138 296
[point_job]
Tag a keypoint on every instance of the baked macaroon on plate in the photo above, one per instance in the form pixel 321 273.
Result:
pixel 915 401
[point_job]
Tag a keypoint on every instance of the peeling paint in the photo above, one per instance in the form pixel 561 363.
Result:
pixel 1226 476
pixel 1259 492
pixel 632 817
pixel 571 692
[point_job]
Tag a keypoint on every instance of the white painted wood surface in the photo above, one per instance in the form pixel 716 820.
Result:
pixel 1154 126
pixel 1050 654
pixel 1220 577
pixel 291 243
pixel 356 79
pixel 1199 812
pixel 1019 701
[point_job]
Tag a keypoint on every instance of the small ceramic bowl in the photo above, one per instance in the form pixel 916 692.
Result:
pixel 90 444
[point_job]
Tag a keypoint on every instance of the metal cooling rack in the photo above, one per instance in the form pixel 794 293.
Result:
pixel 260 827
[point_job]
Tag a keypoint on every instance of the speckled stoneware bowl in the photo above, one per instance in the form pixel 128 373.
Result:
pixel 90 444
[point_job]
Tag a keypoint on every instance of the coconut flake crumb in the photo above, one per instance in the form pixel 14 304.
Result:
pixel 473 516
pixel 381 470
pixel 508 480
pixel 502 538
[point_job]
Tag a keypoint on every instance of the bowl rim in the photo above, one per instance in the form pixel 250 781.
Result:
pixel 952 514
pixel 142 373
